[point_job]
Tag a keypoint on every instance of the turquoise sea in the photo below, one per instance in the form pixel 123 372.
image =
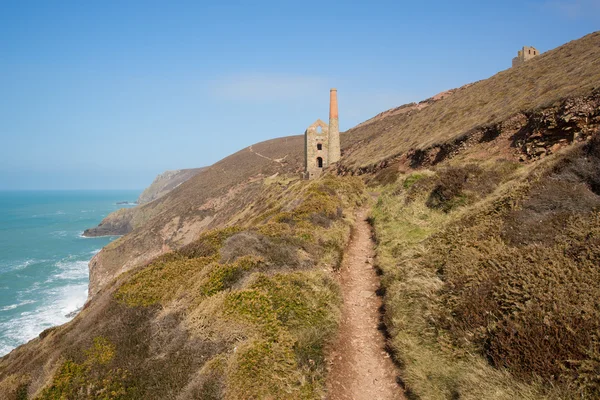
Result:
pixel 44 259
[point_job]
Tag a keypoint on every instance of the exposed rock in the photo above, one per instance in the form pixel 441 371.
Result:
pixel 166 182
pixel 115 224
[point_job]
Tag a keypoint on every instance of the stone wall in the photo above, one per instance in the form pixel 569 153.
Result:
pixel 316 142
pixel 525 54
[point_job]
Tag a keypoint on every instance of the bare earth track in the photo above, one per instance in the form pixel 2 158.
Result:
pixel 359 366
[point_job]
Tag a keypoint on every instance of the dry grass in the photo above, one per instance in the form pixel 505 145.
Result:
pixel 242 312
pixel 570 70
pixel 495 297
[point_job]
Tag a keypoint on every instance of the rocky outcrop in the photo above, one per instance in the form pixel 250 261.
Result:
pixel 166 182
pixel 115 224
pixel 123 221
pixel 526 136
pixel 568 72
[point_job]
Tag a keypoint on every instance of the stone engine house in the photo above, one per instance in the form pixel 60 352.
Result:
pixel 525 54
pixel 322 141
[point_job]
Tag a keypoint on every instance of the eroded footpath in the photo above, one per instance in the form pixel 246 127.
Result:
pixel 359 366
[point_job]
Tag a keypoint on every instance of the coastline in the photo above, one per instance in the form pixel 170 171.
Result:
pixel 44 264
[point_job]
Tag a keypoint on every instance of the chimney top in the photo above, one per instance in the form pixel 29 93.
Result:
pixel 333 90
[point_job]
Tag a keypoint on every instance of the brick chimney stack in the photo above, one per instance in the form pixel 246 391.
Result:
pixel 334 130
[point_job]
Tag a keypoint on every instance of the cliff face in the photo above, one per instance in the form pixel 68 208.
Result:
pixel 124 220
pixel 116 223
pixel 166 182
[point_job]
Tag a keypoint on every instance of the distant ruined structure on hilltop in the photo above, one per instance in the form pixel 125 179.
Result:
pixel 322 141
pixel 526 54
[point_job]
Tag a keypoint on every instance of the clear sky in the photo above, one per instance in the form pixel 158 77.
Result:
pixel 107 94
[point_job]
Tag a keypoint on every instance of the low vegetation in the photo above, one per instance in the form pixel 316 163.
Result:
pixel 489 268
pixel 567 71
pixel 242 312
pixel 491 274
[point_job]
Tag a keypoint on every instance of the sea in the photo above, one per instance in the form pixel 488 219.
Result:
pixel 44 257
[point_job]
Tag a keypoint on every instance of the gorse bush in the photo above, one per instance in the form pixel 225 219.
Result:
pixel 248 311
pixel 91 379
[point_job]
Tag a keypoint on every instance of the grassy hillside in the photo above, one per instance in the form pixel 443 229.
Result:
pixel 241 312
pixel 569 71
pixel 206 201
pixel 491 277
pixel 487 232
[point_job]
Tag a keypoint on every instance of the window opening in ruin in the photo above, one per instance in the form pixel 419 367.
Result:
pixel 319 129
pixel 319 146
pixel 319 162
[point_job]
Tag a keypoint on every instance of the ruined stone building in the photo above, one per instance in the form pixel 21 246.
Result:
pixel 322 141
pixel 526 54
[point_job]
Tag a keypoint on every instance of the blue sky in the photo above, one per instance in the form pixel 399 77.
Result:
pixel 107 94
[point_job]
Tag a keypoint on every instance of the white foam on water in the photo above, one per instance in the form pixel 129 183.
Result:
pixel 56 304
pixel 59 212
pixel 5 349
pixel 59 233
pixel 71 270
pixel 19 266
pixel 13 306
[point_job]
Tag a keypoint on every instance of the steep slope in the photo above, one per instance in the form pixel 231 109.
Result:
pixel 206 201
pixel 240 312
pixel 490 270
pixel 166 182
pixel 570 71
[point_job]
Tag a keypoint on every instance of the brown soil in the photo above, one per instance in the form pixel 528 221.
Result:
pixel 359 366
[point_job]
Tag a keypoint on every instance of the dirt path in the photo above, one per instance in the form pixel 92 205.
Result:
pixel 277 160
pixel 359 366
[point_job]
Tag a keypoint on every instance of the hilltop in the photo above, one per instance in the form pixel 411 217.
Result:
pixel 569 71
pixel 485 207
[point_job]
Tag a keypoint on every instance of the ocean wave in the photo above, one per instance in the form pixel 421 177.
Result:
pixel 13 306
pixel 57 306
pixel 59 233
pixel 59 212
pixel 19 265
pixel 71 270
